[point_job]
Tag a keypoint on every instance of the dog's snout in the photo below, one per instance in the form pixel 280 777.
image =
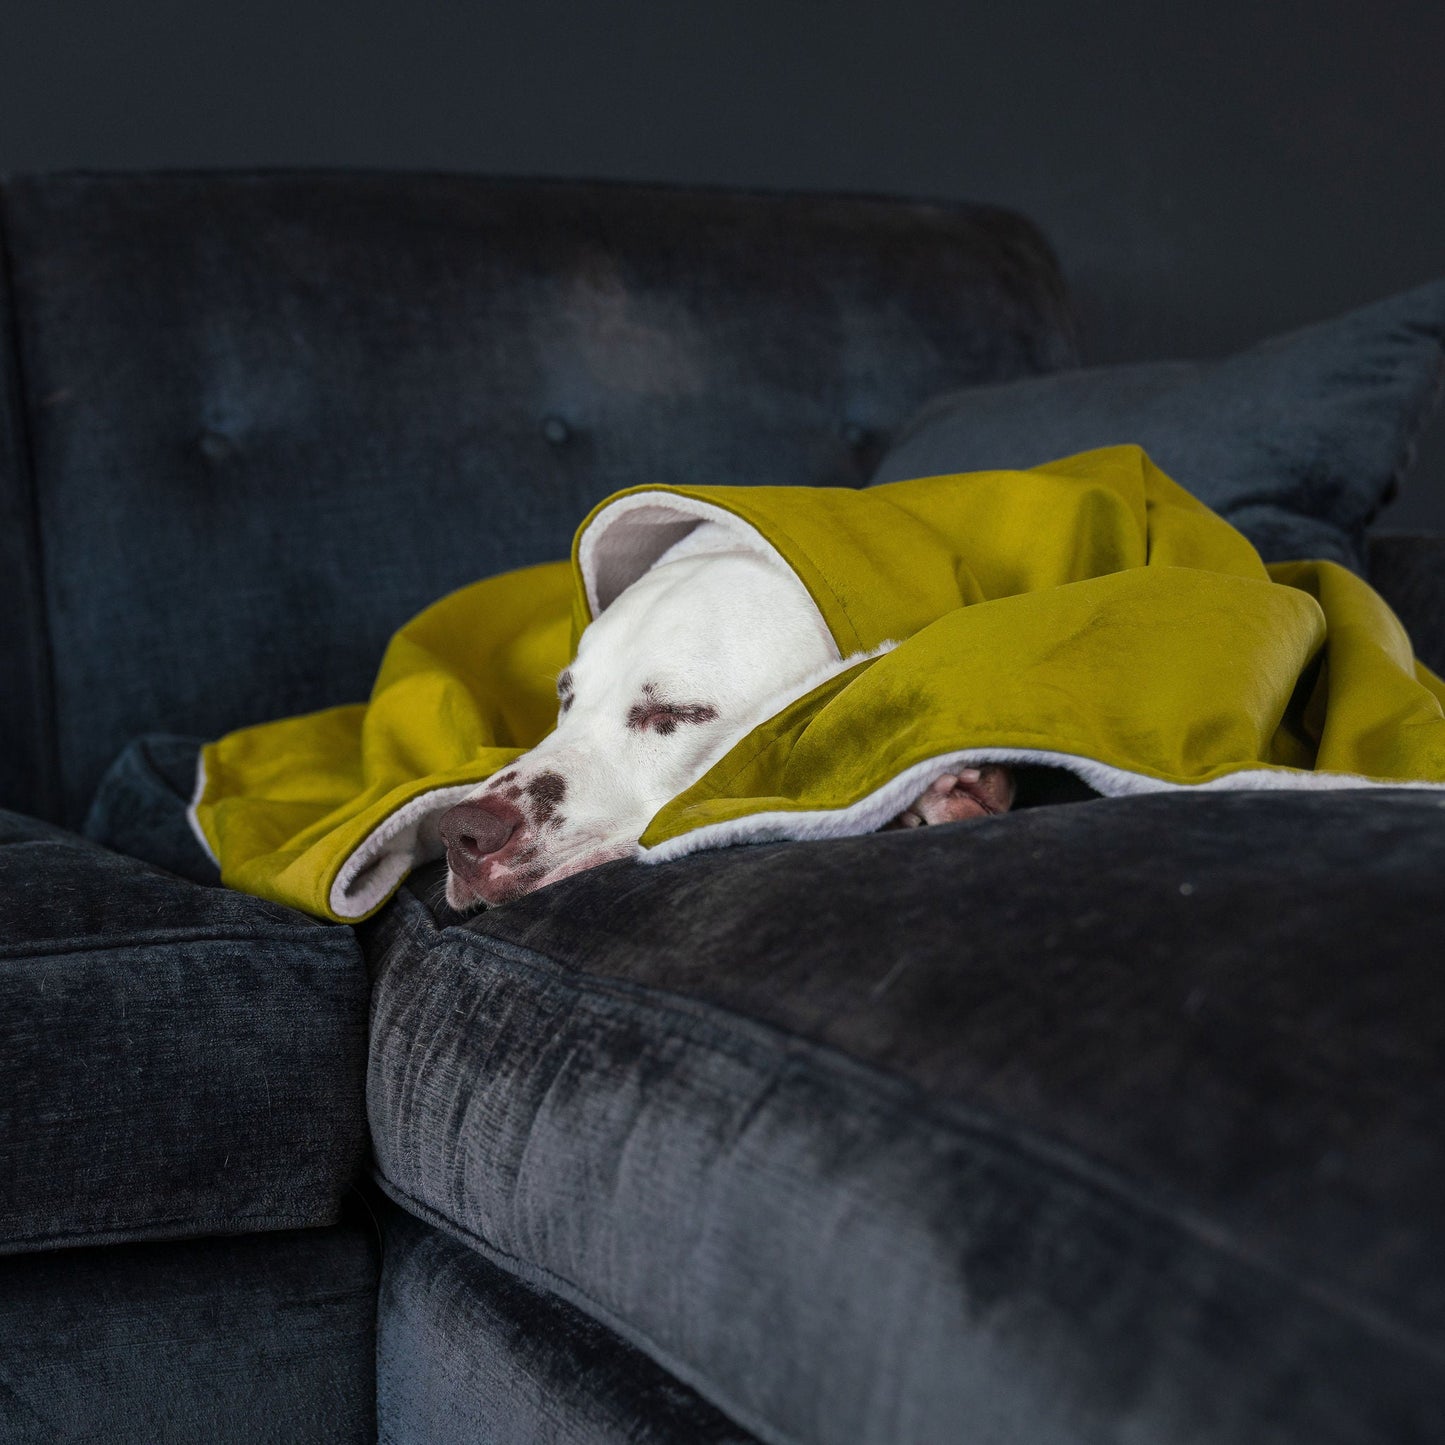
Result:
pixel 475 828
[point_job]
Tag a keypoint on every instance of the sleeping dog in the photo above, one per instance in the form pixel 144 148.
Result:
pixel 711 641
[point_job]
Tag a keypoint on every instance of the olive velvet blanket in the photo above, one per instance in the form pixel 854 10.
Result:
pixel 1088 614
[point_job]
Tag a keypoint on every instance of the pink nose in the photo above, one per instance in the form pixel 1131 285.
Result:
pixel 475 829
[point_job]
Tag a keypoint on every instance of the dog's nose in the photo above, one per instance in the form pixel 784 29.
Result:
pixel 477 827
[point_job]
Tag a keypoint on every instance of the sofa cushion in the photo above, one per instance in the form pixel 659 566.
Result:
pixel 466 1351
pixel 1111 1120
pixel 1409 573
pixel 174 1059
pixel 266 1338
pixel 1298 441
pixel 140 806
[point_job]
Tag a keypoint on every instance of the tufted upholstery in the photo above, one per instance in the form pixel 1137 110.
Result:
pixel 250 423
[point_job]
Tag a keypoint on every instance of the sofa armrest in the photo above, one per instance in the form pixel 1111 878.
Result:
pixel 175 1060
pixel 1408 570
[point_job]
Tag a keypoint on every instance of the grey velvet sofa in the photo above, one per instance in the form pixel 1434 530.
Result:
pixel 1104 1121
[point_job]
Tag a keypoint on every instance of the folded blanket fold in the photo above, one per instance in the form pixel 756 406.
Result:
pixel 1088 614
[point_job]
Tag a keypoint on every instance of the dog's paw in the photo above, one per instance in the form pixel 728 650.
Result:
pixel 968 793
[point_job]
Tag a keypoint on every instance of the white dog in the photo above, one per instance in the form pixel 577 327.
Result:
pixel 710 642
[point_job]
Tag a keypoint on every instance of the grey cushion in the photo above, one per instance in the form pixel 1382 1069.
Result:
pixel 140 806
pixel 1298 441
pixel 466 1351
pixel 174 1059
pixel 1409 572
pixel 1109 1121
pixel 237 1341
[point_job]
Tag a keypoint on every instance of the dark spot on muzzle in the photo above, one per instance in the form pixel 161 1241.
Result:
pixel 546 791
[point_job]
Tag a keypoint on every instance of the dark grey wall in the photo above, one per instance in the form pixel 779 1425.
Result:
pixel 1209 174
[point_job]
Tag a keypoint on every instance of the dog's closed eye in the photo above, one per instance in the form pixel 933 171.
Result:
pixel 654 715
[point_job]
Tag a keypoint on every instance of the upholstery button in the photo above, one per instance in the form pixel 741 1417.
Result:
pixel 216 447
pixel 556 430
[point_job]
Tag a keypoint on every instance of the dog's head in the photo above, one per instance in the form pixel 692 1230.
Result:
pixel 683 663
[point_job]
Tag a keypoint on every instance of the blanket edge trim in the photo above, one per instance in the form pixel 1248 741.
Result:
pixel 885 803
pixel 193 817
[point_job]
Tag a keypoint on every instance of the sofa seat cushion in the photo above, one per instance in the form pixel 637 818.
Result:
pixel 260 1340
pixel 466 1351
pixel 175 1059
pixel 1114 1120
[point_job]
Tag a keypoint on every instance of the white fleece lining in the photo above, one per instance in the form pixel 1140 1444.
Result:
pixel 192 817
pixel 637 530
pixel 886 803
pixel 400 842
pixel 403 840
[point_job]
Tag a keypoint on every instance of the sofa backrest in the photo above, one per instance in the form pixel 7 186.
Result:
pixel 249 423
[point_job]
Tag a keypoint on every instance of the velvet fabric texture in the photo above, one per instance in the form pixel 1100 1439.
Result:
pixel 1410 573
pixel 140 807
pixel 174 1060
pixel 1018 614
pixel 467 1352
pixel 1297 441
pixel 233 1341
pixel 28 770
pixel 1111 1121
pixel 234 395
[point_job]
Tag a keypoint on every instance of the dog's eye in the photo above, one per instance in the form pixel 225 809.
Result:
pixel 653 716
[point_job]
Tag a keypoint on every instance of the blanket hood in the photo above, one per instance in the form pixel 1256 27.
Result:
pixel 1087 614
pixel 882 563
